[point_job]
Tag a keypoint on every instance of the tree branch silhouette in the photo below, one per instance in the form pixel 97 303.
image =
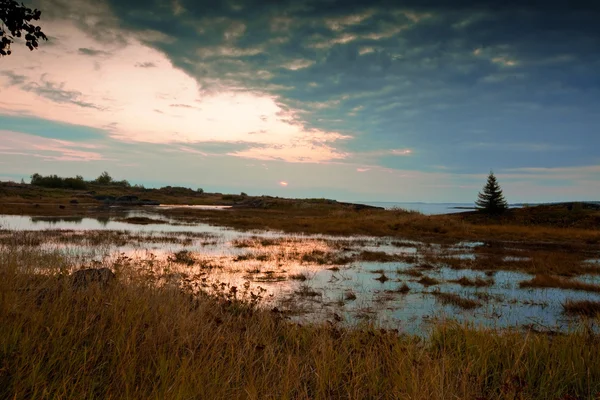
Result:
pixel 15 22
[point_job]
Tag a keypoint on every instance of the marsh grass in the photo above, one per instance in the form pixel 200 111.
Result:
pixel 141 220
pixel 379 256
pixel 184 257
pixel 586 308
pixel 140 340
pixel 403 289
pixel 382 278
pixel 336 220
pixel 477 282
pixel 428 281
pixel 350 295
pixel 321 257
pixel 456 300
pixel 530 257
pixel 550 281
pixel 99 237
pixel 414 272
pixel 302 276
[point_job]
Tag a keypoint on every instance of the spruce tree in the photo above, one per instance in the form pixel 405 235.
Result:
pixel 491 200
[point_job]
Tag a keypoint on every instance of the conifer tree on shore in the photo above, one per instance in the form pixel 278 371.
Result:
pixel 491 200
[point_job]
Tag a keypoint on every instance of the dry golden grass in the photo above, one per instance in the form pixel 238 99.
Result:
pixel 530 257
pixel 550 281
pixel 456 300
pixel 477 282
pixel 343 221
pixel 586 308
pixel 428 281
pixel 137 340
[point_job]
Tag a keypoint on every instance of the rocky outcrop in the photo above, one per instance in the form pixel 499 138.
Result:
pixel 126 201
pixel 359 207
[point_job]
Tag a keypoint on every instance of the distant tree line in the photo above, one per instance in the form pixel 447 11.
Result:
pixel 77 183
pixel 55 181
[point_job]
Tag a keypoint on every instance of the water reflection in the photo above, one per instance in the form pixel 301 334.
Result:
pixel 54 220
pixel 311 277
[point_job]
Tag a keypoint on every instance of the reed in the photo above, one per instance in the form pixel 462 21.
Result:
pixel 139 339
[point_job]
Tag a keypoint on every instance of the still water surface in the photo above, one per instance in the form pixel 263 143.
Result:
pixel 298 278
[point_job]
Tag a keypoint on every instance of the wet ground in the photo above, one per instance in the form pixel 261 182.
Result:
pixel 395 283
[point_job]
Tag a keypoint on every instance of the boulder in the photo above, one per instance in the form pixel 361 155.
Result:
pixel 127 199
pixel 104 198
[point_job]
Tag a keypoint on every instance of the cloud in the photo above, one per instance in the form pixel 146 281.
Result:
pixel 357 78
pixel 527 147
pixel 585 172
pixel 92 52
pixel 55 92
pixel 16 143
pixel 13 78
pixel 164 105
pixel 146 64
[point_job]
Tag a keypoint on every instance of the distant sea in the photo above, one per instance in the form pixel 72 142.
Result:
pixel 439 208
pixel 426 208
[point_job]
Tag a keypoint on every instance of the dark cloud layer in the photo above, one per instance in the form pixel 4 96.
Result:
pixel 432 75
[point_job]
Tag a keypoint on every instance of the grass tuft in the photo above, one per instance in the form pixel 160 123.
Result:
pixel 456 300
pixel 477 282
pixel 551 281
pixel 428 281
pixel 587 308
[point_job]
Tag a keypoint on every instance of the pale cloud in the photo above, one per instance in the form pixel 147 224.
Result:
pixel 297 64
pixel 523 146
pixel 135 100
pixel 382 153
pixel 313 147
pixel 415 16
pixel 341 22
pixel 579 173
pixel 16 143
pixel 401 152
pixel 186 149
pixel 366 50
pixel 325 44
pixel 504 61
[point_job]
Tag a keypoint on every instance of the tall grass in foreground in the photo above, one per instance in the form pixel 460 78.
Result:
pixel 136 340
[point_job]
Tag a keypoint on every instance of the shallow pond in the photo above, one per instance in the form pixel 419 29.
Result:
pixel 345 280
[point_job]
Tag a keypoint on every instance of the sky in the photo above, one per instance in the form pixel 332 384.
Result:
pixel 353 100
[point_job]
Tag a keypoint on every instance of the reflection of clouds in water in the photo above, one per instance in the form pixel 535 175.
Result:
pixel 299 271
